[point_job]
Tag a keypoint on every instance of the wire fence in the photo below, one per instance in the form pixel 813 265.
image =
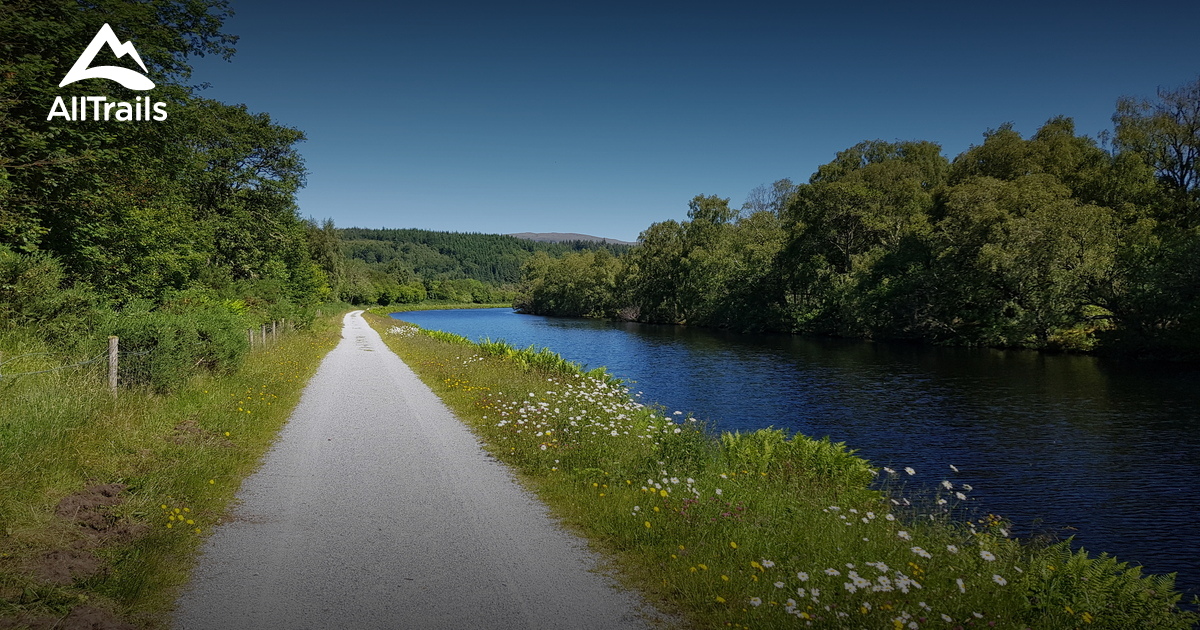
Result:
pixel 268 332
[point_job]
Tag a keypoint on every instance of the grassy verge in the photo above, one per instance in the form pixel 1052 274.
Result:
pixel 764 530
pixel 104 502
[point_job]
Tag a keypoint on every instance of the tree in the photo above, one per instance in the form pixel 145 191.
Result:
pixel 1166 134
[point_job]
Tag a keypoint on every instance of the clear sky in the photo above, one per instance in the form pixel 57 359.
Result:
pixel 604 117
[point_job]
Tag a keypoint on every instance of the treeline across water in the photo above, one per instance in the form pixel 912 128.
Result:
pixel 1057 240
pixel 386 266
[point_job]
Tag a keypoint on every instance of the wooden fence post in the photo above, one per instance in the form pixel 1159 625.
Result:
pixel 113 343
pixel 274 333
pixel 264 334
pixel 250 334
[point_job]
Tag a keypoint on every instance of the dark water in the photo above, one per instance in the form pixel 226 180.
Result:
pixel 1099 449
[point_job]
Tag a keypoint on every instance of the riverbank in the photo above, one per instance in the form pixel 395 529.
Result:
pixel 757 530
pixel 104 501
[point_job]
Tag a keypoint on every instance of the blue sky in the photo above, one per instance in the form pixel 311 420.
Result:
pixel 603 118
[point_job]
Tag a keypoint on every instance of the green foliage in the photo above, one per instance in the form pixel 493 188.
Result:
pixel 1043 242
pixel 451 266
pixel 187 227
pixel 1100 592
pixel 165 348
pixel 771 453
pixel 581 283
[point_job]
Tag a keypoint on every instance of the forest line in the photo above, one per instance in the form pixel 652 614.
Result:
pixel 1055 241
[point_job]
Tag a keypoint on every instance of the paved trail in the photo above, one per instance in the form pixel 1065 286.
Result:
pixel 376 508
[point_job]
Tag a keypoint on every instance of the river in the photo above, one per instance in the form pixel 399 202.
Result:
pixel 1062 445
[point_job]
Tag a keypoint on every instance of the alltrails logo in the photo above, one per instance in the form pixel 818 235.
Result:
pixel 100 107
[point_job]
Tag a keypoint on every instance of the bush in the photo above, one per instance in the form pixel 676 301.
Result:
pixel 34 292
pixel 163 348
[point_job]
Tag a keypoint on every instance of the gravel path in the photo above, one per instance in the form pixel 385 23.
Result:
pixel 376 508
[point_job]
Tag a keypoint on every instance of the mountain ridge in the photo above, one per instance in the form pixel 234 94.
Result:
pixel 564 237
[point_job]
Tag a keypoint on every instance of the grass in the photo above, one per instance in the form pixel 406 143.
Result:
pixel 765 530
pixel 182 457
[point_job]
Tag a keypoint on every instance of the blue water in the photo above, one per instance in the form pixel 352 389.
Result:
pixel 1061 445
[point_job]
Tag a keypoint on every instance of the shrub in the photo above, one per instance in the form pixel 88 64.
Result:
pixel 163 348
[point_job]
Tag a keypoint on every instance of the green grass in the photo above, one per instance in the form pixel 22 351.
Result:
pixel 764 530
pixel 182 456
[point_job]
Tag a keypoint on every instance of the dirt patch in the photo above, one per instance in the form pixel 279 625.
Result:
pixel 90 508
pixel 83 617
pixel 189 432
pixel 64 566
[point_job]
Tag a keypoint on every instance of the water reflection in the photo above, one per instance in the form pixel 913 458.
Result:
pixel 1073 445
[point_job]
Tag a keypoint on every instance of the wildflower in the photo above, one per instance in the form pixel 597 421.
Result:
pixel 961 587
pixel 832 572
pixel 947 485
pixel 947 618
pixel 967 487
pixel 986 555
pixel 718 491
pixel 889 517
pixel 803 576
pixel 720 600
pixel 755 601
pixel 779 585
pixel 733 544
pixel 999 580
pixel 903 534
pixel 647 524
pixel 909 470
pixel 953 467
pixel 768 564
pixel 921 552
pixel 960 496
pixel 889 470
pixel 952 548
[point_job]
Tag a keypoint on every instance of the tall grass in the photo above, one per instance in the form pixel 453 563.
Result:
pixel 763 529
pixel 181 455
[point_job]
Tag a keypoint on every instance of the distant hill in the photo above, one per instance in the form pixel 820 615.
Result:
pixel 432 255
pixel 566 237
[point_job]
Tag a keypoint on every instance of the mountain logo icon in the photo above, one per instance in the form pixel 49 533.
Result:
pixel 124 76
